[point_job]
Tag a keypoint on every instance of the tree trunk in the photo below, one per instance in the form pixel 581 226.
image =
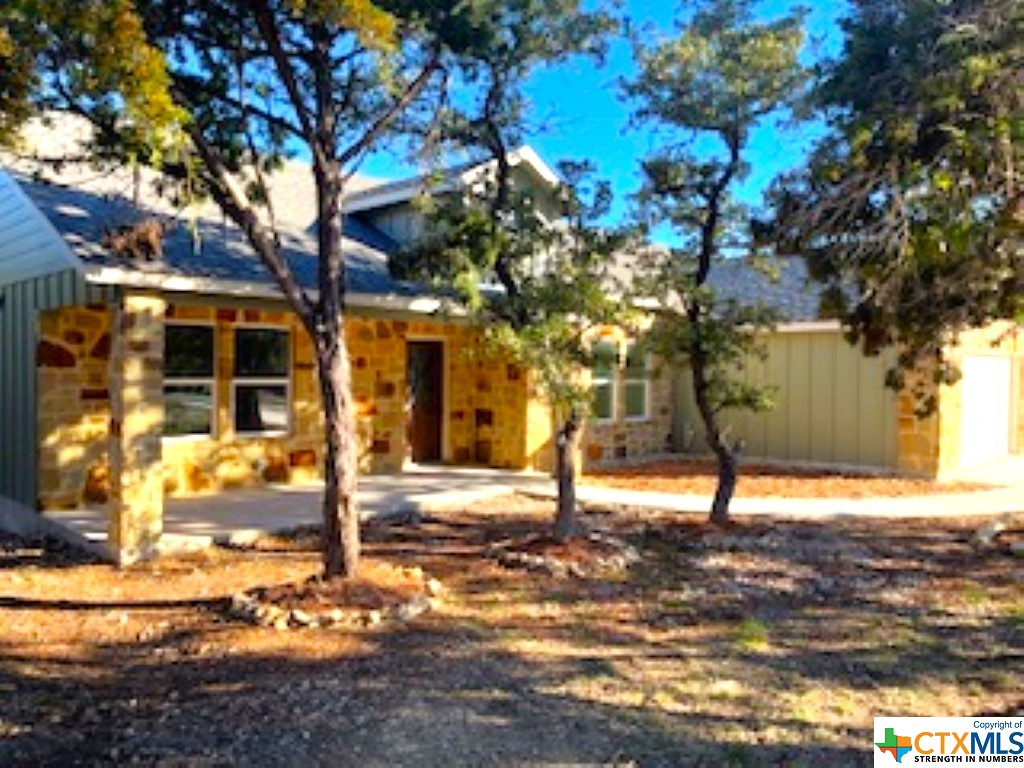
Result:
pixel 565 472
pixel 724 455
pixel 340 510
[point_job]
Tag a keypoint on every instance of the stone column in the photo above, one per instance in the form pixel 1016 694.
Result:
pixel 136 425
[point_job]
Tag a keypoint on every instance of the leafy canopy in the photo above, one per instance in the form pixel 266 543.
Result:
pixel 704 91
pixel 911 208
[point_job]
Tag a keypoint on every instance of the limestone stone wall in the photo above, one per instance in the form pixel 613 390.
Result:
pixel 1018 415
pixel 74 406
pixel 487 402
pixel 136 375
pixel 227 460
pixel 485 405
pixel 606 442
pixel 919 439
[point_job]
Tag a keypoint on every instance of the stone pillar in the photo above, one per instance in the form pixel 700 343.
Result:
pixel 136 425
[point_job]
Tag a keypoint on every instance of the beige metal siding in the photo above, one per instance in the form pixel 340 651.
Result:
pixel 831 404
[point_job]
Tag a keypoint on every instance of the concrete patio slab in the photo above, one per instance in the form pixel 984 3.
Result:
pixel 240 515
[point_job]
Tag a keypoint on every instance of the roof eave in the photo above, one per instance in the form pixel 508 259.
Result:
pixel 368 199
pixel 244 289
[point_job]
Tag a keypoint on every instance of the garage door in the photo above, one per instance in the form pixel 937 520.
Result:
pixel 985 430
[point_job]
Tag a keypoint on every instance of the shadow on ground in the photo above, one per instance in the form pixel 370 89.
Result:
pixel 763 645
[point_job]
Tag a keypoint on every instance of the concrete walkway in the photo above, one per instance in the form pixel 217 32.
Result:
pixel 239 516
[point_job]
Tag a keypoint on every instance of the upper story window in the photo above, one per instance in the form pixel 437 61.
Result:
pixel 602 377
pixel 262 383
pixel 189 391
pixel 637 382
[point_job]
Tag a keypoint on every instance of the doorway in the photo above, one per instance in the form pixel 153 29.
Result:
pixel 425 399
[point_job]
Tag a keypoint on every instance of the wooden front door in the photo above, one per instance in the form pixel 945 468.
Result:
pixel 425 395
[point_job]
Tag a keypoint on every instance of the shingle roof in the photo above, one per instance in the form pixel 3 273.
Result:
pixel 413 185
pixel 372 194
pixel 204 247
pixel 788 289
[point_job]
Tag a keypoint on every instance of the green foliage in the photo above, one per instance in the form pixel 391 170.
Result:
pixel 247 83
pixel 705 90
pixel 115 66
pixel 563 285
pixel 911 209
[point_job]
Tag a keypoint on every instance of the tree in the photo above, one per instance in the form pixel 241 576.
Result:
pixel 558 291
pixel 911 208
pixel 552 278
pixel 219 91
pixel 705 91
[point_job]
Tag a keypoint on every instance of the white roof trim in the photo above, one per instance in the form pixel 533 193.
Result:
pixel 369 199
pixel 247 290
pixel 36 249
pixel 810 326
pixel 530 157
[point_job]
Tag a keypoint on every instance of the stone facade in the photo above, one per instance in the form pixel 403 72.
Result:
pixel 607 442
pixel 931 446
pixel 74 406
pixel 485 415
pixel 136 375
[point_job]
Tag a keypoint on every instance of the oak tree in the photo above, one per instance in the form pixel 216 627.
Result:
pixel 911 207
pixel 703 92
pixel 220 91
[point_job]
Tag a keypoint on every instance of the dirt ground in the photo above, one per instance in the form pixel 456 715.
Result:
pixel 699 477
pixel 759 645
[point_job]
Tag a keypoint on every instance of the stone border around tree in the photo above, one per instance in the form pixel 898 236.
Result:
pixel 618 561
pixel 249 607
pixel 991 536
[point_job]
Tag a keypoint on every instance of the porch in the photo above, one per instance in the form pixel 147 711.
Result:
pixel 237 516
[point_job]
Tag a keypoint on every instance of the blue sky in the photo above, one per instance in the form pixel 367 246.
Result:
pixel 579 115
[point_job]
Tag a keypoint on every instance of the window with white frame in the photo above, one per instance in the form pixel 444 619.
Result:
pixel 189 387
pixel 261 387
pixel 637 382
pixel 602 379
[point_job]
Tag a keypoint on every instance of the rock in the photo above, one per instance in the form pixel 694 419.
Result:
pixel 415 607
pixel 373 618
pixel 985 536
pixel 271 616
pixel 434 587
pixel 281 624
pixel 301 618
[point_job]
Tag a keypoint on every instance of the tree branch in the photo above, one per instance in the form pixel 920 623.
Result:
pixel 384 121
pixel 233 201
pixel 272 35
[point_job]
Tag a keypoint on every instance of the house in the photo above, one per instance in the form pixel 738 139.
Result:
pixel 177 368
pixel 832 406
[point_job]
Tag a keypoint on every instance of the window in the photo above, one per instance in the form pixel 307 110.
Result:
pixel 602 375
pixel 188 381
pixel 637 382
pixel 262 390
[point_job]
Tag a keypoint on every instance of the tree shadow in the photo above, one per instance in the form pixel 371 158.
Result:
pixel 521 668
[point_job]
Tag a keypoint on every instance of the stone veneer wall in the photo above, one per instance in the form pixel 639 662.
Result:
pixel 486 406
pixel 931 446
pixel 607 442
pixel 74 406
pixel 136 425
